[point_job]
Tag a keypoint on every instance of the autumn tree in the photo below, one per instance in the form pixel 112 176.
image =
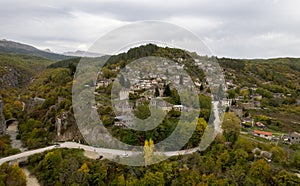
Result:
pixel 12 175
pixel 260 172
pixel 150 179
pixel 148 151
pixel 84 168
pixel 198 133
pixel 296 159
pixel 285 178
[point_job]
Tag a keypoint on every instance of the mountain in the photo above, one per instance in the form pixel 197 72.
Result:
pixel 80 53
pixel 48 50
pixel 20 48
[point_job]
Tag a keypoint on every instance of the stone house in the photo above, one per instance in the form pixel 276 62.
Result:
pixel 237 111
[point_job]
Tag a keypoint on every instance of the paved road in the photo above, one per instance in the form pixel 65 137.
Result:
pixel 112 152
pixel 25 154
pixel 73 145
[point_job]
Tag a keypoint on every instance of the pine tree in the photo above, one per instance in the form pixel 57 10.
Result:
pixel 156 93
pixel 167 91
pixel 201 87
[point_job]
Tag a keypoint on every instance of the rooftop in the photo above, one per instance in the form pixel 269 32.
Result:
pixel 262 132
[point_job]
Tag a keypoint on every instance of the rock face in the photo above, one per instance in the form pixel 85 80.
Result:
pixel 34 102
pixel 10 77
pixel 2 120
pixel 66 128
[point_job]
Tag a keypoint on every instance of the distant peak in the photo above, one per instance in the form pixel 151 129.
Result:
pixel 48 50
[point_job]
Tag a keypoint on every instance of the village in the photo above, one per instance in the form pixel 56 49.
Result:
pixel 144 87
pixel 153 89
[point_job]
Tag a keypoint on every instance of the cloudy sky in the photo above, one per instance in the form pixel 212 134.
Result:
pixel 232 28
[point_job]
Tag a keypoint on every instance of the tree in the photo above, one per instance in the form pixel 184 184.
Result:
pixel 50 167
pixel 231 93
pixel 296 159
pixel 198 133
pixel 231 127
pixel 260 171
pixel 236 174
pixel 150 179
pixel 84 168
pixel 15 176
pixel 108 73
pixel 72 68
pixel 142 111
pixel 286 178
pixel 156 93
pixel 201 87
pixel 278 155
pixel 223 160
pixel 167 91
pixel 148 151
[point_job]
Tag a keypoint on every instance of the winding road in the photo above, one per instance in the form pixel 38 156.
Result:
pixel 73 145
pixel 105 151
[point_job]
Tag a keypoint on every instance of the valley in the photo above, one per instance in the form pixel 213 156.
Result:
pixel 257 143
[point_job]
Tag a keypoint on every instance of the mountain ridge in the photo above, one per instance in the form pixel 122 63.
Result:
pixel 13 47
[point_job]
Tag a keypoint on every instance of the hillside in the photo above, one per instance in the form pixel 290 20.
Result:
pixel 16 70
pixel 16 73
pixel 19 48
pixel 244 78
pixel 264 92
pixel 275 80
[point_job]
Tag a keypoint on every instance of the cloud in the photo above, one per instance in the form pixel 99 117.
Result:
pixel 246 29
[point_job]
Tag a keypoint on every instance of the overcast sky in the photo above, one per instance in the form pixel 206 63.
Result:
pixel 231 28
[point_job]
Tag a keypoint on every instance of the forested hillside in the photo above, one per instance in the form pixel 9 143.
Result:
pixel 262 95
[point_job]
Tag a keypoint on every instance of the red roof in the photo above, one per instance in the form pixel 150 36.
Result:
pixel 262 132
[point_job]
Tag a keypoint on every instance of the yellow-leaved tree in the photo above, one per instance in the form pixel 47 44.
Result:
pixel 148 151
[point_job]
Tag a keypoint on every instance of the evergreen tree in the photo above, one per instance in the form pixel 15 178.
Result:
pixel 156 93
pixel 167 91
pixel 201 87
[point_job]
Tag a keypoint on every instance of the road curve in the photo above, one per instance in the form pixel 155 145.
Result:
pixel 113 152
pixel 73 145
